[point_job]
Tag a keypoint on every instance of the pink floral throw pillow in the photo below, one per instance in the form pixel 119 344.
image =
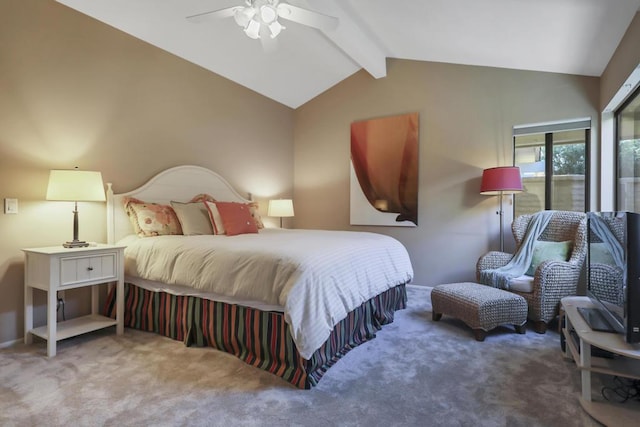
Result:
pixel 202 197
pixel 253 209
pixel 152 219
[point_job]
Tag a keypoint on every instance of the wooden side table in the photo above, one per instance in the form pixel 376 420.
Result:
pixel 627 364
pixel 56 268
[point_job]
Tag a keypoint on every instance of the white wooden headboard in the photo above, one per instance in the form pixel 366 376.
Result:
pixel 179 184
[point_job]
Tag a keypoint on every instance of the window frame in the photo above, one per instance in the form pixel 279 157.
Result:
pixel 548 130
pixel 616 129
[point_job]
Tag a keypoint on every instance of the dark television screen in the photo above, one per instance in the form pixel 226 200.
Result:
pixel 613 261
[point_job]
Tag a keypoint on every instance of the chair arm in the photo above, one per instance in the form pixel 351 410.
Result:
pixel 557 275
pixel 606 282
pixel 553 281
pixel 493 259
pixel 605 270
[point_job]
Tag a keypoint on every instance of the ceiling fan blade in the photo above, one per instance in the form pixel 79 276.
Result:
pixel 307 17
pixel 214 14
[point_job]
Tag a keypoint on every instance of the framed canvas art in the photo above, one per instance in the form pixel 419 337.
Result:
pixel 384 171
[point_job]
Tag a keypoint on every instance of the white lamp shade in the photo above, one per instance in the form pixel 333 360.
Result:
pixel 268 14
pixel 253 29
pixel 280 207
pixel 75 186
pixel 244 15
pixel 275 29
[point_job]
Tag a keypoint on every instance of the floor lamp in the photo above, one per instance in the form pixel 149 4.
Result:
pixel 500 181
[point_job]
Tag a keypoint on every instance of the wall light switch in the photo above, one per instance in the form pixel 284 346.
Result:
pixel 10 206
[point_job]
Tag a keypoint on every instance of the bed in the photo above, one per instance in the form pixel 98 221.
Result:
pixel 290 302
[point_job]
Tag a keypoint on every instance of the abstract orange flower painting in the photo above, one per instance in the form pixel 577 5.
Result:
pixel 384 171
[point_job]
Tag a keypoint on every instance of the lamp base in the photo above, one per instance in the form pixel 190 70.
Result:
pixel 75 244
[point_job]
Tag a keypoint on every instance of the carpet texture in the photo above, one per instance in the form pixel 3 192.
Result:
pixel 415 373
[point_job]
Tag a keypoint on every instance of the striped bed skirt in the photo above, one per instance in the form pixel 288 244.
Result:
pixel 259 338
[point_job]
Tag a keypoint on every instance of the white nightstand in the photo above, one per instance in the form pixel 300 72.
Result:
pixel 54 269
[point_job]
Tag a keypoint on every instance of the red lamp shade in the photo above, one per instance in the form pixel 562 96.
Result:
pixel 503 179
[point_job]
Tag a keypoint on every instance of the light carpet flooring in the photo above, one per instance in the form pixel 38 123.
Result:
pixel 415 373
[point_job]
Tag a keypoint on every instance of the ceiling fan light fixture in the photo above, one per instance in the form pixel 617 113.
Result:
pixel 253 29
pixel 244 16
pixel 268 14
pixel 275 27
pixel 260 18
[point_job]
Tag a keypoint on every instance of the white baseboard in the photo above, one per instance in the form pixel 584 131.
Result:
pixel 419 287
pixel 11 343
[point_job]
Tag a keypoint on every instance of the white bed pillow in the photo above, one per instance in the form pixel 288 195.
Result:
pixel 193 217
pixel 215 218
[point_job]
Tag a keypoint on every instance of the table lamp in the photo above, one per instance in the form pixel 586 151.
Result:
pixel 75 186
pixel 280 208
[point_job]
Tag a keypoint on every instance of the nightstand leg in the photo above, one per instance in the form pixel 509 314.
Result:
pixel 51 322
pixel 28 314
pixel 94 300
pixel 120 307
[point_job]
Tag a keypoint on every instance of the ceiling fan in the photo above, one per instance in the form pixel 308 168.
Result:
pixel 259 18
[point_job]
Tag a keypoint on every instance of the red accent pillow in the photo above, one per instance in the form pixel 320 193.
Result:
pixel 236 218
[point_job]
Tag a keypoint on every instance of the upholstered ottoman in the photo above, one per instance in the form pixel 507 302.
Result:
pixel 480 307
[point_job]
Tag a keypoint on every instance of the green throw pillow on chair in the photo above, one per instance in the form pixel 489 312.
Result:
pixel 600 254
pixel 543 251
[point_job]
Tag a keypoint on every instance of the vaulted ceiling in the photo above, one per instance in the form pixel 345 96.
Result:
pixel 562 36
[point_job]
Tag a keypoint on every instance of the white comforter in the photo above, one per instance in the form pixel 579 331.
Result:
pixel 316 277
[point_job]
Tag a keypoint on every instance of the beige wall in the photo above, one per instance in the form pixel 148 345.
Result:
pixel 76 92
pixel 622 63
pixel 625 59
pixel 466 119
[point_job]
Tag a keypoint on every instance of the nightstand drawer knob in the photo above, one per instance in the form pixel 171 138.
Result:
pixel 90 268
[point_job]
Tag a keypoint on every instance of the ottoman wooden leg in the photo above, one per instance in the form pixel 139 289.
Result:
pixel 521 329
pixel 479 334
pixel 436 316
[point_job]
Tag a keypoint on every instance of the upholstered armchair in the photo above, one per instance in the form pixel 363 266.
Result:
pixel 552 280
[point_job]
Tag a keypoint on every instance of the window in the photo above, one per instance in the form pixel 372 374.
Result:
pixel 628 154
pixel 553 159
